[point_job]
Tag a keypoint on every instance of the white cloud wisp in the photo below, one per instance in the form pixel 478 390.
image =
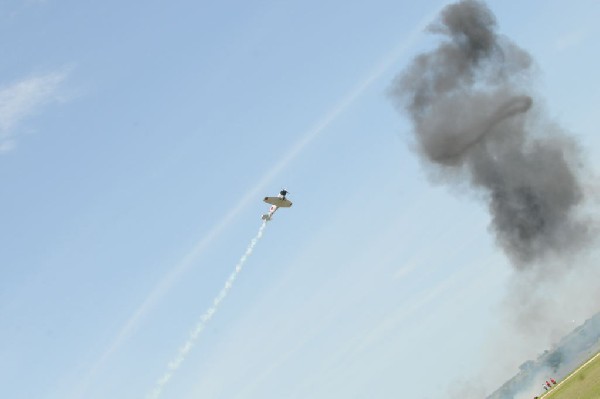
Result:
pixel 22 99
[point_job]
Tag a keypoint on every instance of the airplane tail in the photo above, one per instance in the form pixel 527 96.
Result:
pixel 266 217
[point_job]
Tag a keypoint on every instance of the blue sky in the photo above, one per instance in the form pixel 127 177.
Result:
pixel 136 143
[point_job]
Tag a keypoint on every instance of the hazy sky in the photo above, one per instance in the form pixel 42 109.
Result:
pixel 136 143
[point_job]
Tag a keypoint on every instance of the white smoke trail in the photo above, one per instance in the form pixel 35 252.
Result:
pixel 173 365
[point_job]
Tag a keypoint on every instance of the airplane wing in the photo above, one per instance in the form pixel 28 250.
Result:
pixel 281 202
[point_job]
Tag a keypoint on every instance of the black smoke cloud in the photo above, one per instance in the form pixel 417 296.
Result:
pixel 475 118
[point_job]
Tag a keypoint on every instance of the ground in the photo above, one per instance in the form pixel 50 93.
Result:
pixel 583 383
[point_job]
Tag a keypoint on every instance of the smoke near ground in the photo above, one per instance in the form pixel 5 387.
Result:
pixel 475 122
pixel 185 349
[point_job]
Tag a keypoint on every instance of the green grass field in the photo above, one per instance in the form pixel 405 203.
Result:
pixel 583 383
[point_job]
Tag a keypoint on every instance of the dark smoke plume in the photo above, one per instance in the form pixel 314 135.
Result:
pixel 472 114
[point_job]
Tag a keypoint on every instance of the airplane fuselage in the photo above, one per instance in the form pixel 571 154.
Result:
pixel 276 203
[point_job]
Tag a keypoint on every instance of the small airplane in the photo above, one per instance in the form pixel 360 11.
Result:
pixel 276 202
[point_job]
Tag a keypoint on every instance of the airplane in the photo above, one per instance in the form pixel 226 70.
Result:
pixel 276 202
